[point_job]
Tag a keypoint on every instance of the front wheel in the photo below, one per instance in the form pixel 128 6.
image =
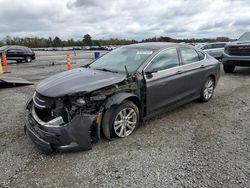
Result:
pixel 121 120
pixel 28 59
pixel 207 90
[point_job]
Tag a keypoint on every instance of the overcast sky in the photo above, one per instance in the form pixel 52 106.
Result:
pixel 132 19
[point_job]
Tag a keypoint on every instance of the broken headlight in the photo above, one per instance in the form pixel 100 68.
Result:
pixel 80 102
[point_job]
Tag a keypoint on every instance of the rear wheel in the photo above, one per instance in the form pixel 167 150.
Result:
pixel 207 90
pixel 121 120
pixel 228 68
pixel 28 59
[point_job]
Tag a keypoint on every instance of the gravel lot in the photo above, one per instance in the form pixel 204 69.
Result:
pixel 196 145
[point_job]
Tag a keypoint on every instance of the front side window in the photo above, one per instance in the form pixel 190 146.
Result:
pixel 2 48
pixel 15 49
pixel 11 49
pixel 188 55
pixel 165 60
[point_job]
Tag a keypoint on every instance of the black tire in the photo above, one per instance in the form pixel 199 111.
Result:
pixel 228 68
pixel 207 91
pixel 28 59
pixel 108 123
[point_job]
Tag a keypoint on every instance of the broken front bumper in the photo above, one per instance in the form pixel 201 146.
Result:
pixel 51 136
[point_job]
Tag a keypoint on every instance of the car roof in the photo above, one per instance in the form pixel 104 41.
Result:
pixel 216 43
pixel 154 45
pixel 17 46
pixel 14 46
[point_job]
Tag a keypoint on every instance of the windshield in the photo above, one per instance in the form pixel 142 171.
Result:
pixel 245 37
pixel 3 48
pixel 116 60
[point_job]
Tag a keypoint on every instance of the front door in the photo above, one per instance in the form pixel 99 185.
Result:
pixel 164 80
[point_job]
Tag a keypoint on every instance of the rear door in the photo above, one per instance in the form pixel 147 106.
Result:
pixel 194 70
pixel 21 52
pixel 164 80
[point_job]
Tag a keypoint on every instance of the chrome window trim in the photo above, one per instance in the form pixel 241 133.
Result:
pixel 181 65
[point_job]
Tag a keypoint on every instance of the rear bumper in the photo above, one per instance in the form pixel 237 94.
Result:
pixel 236 60
pixel 74 135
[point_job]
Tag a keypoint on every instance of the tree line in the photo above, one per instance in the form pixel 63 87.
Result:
pixel 35 42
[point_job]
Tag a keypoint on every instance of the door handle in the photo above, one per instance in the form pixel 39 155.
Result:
pixel 179 72
pixel 202 66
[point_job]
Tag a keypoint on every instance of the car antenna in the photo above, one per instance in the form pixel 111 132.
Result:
pixel 126 70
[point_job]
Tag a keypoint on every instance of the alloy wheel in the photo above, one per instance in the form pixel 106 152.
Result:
pixel 208 89
pixel 125 122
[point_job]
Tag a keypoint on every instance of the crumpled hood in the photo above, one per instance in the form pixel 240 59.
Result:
pixel 77 80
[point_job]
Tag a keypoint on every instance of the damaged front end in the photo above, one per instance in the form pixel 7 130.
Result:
pixel 73 122
pixel 59 124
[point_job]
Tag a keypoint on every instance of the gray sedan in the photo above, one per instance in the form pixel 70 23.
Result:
pixel 113 94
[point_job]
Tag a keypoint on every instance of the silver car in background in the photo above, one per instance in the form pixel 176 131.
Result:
pixel 215 49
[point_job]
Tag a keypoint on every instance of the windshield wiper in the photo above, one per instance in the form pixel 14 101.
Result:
pixel 107 70
pixel 126 70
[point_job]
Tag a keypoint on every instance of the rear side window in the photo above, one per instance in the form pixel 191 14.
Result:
pixel 165 60
pixel 189 55
pixel 207 46
pixel 27 49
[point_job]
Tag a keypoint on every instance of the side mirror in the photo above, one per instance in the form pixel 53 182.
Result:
pixel 85 66
pixel 149 71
